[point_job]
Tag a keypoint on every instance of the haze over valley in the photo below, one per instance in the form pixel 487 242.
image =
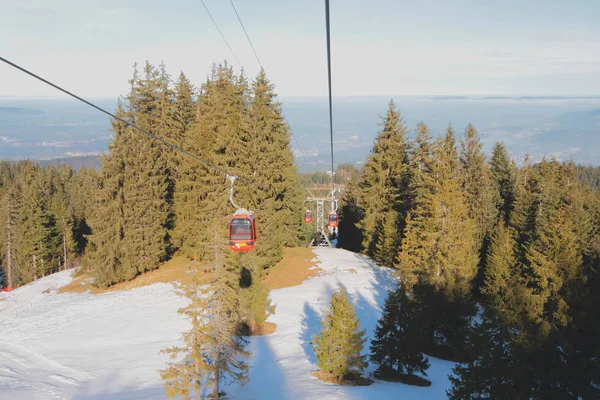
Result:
pixel 560 127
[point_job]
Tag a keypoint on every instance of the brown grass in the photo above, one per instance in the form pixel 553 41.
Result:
pixel 330 378
pixel 253 329
pixel 171 271
pixel 293 269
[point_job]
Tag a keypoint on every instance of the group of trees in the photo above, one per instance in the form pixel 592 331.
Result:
pixel 150 200
pixel 154 200
pixel 43 219
pixel 497 265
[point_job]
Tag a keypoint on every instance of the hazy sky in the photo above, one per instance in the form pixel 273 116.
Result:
pixel 379 47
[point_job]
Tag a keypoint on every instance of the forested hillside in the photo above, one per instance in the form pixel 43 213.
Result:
pixel 498 265
pixel 148 200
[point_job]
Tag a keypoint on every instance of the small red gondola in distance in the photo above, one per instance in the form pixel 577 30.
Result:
pixel 308 216
pixel 242 232
pixel 332 220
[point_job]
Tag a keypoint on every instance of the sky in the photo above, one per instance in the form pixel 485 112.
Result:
pixel 379 47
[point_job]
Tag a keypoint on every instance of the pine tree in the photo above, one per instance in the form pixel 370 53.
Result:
pixel 9 213
pixel 61 207
pixel 397 336
pixel 504 171
pixel 501 273
pixel 187 369
pixel 439 247
pixel 340 342
pixel 255 300
pixel 224 350
pixel 482 192
pixel 147 183
pixel 383 190
pixel 105 251
pixel 212 352
pixel 38 250
pixel 350 236
pixel 217 135
pixel 279 205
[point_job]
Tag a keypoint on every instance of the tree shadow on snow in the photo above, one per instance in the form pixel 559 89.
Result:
pixel 266 373
pixel 111 387
pixel 311 326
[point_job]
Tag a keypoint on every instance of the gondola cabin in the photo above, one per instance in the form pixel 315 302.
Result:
pixel 332 220
pixel 308 216
pixel 242 232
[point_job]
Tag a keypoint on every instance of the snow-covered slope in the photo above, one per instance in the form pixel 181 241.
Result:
pixel 79 346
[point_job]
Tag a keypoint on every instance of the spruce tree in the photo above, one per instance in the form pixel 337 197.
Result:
pixel 255 300
pixel 504 173
pixel 350 236
pixel 482 192
pixel 61 207
pixel 38 248
pixel 225 351
pixel 276 197
pixel 439 248
pixel 383 190
pixel 397 336
pixel 105 252
pixel 187 370
pixel 147 182
pixel 9 214
pixel 340 342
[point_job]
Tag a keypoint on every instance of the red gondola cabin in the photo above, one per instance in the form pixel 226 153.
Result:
pixel 332 220
pixel 242 232
pixel 308 216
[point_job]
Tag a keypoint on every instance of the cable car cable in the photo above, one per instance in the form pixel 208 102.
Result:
pixel 173 146
pixel 217 26
pixel 329 81
pixel 263 69
pixel 247 37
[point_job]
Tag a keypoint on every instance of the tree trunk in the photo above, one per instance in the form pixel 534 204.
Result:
pixel 9 251
pixel 197 379
pixel 217 370
pixel 64 251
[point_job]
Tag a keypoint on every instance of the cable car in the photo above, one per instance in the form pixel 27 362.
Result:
pixel 308 216
pixel 242 231
pixel 332 219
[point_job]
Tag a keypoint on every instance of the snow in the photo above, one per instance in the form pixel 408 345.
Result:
pixel 81 346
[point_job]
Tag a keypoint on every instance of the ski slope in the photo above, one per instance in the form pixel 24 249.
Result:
pixel 84 346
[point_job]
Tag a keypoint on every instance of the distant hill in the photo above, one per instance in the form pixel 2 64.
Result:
pixel 75 162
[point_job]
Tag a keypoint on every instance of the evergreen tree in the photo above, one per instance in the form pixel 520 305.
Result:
pixel 255 300
pixel 38 250
pixel 482 192
pixel 224 351
pixel 187 369
pixel 350 236
pixel 439 247
pixel 383 190
pixel 217 135
pixel 105 251
pixel 62 209
pixel 147 183
pixel 504 171
pixel 276 198
pixel 9 214
pixel 397 336
pixel 340 342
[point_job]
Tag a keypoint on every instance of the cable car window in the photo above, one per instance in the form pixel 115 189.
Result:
pixel 241 229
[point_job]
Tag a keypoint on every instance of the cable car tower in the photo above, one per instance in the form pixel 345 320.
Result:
pixel 320 196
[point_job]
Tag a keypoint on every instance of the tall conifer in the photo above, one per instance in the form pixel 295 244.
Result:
pixel 383 193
